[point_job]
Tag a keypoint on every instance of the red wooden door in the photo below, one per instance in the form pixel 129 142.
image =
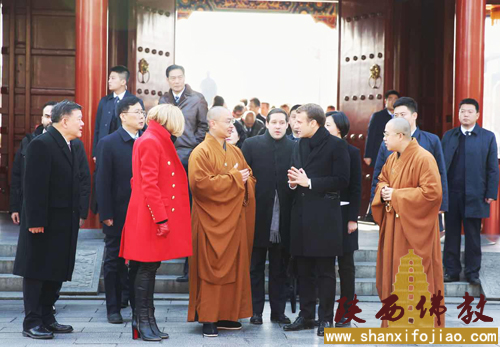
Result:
pixel 365 43
pixel 151 48
pixel 38 66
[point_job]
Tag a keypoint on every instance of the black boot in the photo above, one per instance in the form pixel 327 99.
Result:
pixel 142 282
pixel 151 311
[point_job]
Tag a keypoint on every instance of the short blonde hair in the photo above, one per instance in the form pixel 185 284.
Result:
pixel 168 116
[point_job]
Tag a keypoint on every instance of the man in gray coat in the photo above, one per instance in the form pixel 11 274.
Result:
pixel 194 108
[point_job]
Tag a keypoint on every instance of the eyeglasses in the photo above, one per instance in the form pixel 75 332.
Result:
pixel 137 113
pixel 228 121
pixel 386 134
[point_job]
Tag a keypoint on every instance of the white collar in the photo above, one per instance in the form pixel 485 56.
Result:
pixel 133 136
pixel 464 130
pixel 180 94
pixel 120 96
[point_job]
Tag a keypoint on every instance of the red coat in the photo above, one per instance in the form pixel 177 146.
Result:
pixel 159 192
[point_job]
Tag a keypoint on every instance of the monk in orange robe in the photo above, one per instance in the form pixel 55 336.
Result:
pixel 223 221
pixel 406 206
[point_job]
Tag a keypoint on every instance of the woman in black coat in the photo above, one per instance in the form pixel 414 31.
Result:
pixel 337 124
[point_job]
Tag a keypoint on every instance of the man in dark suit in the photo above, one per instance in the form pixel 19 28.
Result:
pixel 50 221
pixel 107 120
pixel 319 172
pixel 254 106
pixel 338 125
pixel 113 174
pixel 291 133
pixel 16 185
pixel 251 125
pixel 265 154
pixel 471 157
pixel 376 127
pixel 194 108
pixel 407 108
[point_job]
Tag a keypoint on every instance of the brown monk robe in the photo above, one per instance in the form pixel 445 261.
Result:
pixel 411 222
pixel 223 220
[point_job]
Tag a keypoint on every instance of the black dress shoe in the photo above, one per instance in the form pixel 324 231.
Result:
pixel 40 333
pixel 256 319
pixel 115 318
pixel 184 278
pixel 322 326
pixel 300 324
pixel 343 324
pixel 448 278
pixel 228 325
pixel 210 330
pixel 474 281
pixel 280 318
pixel 59 328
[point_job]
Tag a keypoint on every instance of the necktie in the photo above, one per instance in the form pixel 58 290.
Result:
pixel 176 99
pixel 69 145
pixel 117 100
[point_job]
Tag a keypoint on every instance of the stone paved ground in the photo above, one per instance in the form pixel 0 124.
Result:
pixel 88 317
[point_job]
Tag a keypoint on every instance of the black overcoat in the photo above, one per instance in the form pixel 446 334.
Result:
pixel 316 222
pixel 113 174
pixel 270 160
pixel 352 195
pixel 51 200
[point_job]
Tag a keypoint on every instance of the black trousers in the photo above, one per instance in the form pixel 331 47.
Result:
pixel 39 297
pixel 186 261
pixel 316 272
pixel 347 277
pixel 277 279
pixel 454 219
pixel 115 274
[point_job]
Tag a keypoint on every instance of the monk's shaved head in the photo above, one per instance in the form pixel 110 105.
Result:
pixel 215 113
pixel 402 126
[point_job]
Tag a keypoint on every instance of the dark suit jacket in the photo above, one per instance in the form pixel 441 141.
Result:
pixel 113 174
pixel 316 222
pixel 16 185
pixel 194 108
pixel 481 170
pixel 431 143
pixel 51 200
pixel 375 134
pixel 352 195
pixel 258 128
pixel 270 161
pixel 106 120
pixel 18 170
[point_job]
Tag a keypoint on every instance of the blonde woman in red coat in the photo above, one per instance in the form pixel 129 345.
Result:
pixel 158 223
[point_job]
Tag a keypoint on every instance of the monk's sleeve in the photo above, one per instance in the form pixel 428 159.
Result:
pixel 377 203
pixel 418 207
pixel 211 187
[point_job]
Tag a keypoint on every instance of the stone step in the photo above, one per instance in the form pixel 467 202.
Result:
pixel 176 267
pixel 6 265
pixel 364 287
pixel 167 284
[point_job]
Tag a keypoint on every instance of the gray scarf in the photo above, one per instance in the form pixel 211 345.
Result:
pixel 275 222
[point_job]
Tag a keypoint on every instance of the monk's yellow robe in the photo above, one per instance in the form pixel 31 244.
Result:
pixel 412 221
pixel 223 222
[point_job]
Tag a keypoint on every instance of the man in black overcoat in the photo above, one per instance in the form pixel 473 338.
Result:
pixel 113 189
pixel 269 157
pixel 48 235
pixel 319 172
